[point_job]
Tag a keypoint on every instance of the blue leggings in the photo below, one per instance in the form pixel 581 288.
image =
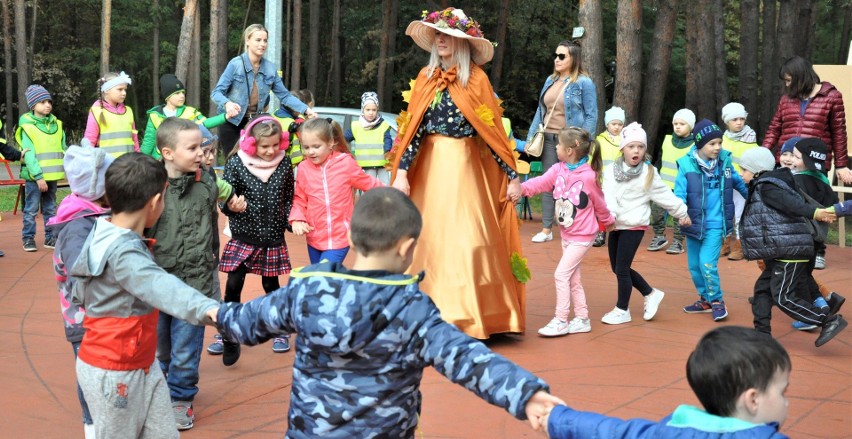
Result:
pixel 333 255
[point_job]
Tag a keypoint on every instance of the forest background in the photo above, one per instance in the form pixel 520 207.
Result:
pixel 649 57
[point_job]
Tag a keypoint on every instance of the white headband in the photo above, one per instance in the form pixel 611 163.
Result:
pixel 122 78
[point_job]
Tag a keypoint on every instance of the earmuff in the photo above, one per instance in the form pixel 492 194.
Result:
pixel 248 144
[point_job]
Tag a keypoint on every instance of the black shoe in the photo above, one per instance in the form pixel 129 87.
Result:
pixel 830 328
pixel 231 354
pixel 600 240
pixel 835 301
pixel 30 245
pixel 50 242
pixel 2 254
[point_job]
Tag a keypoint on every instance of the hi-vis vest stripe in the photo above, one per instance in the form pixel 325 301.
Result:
pixel 671 154
pixel 369 145
pixel 189 113
pixel 295 149
pixel 116 136
pixel 736 149
pixel 609 150
pixel 507 127
pixel 48 151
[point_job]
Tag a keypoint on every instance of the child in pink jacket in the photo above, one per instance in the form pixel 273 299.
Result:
pixel 575 182
pixel 325 179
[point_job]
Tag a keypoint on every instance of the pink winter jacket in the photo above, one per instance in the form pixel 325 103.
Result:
pixel 579 200
pixel 324 200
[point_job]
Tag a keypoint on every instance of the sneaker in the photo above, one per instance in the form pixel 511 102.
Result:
pixel 50 242
pixel 658 243
pixel 803 326
pixel 698 307
pixel 183 414
pixel 30 245
pixel 555 328
pixel 227 230
pixel 832 327
pixel 541 237
pixel 600 240
pixel 835 301
pixel 617 316
pixel 652 303
pixel 676 248
pixel 217 347
pixel 89 431
pixel 820 263
pixel 281 344
pixel 579 325
pixel 230 353
pixel 720 312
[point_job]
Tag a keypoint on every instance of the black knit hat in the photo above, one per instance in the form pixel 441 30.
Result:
pixel 169 85
pixel 814 153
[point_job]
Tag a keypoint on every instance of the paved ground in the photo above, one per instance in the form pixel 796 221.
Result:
pixel 631 370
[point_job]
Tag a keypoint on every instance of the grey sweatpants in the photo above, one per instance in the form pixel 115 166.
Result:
pixel 128 404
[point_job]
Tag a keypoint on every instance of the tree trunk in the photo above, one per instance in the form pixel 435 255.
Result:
pixel 806 29
pixel 333 83
pixel 590 19
pixel 106 25
pixel 845 35
pixel 193 87
pixel 288 38
pixel 787 31
pixel 32 39
pixel 657 74
pixel 21 54
pixel 500 50
pixel 700 76
pixel 7 68
pixel 213 54
pixel 155 62
pixel 296 65
pixel 769 90
pixel 389 82
pixel 184 49
pixel 629 57
pixel 723 95
pixel 384 42
pixel 313 45
pixel 749 28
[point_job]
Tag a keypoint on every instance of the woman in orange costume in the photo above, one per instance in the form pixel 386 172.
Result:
pixel 453 159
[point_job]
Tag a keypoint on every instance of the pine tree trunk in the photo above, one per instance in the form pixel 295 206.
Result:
pixel 700 76
pixel 787 30
pixel 657 74
pixel 500 50
pixel 590 19
pixel 21 54
pixel 193 87
pixel 32 39
pixel 389 78
pixel 106 27
pixel 749 28
pixel 155 61
pixel 334 75
pixel 384 42
pixel 296 60
pixel 7 69
pixel 629 57
pixel 723 95
pixel 184 49
pixel 806 29
pixel 769 90
pixel 313 46
pixel 213 53
pixel 845 35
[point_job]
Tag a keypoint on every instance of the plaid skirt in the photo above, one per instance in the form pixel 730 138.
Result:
pixel 263 261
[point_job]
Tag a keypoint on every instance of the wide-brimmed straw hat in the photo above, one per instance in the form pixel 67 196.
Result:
pixel 455 23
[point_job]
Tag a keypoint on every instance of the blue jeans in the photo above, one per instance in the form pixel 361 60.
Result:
pixel 333 255
pixel 87 417
pixel 703 259
pixel 35 199
pixel 179 351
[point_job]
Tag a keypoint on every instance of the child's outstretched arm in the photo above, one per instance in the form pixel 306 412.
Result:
pixel 543 183
pixel 258 320
pixel 661 194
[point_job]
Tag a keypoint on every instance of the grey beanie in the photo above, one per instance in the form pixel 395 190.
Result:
pixel 757 160
pixel 85 169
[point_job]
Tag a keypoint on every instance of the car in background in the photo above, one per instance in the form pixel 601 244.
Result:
pixel 345 116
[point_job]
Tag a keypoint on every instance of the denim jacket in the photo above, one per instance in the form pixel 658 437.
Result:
pixel 581 105
pixel 235 85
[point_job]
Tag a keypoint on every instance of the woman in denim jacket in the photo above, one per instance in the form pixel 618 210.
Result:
pixel 243 89
pixel 576 106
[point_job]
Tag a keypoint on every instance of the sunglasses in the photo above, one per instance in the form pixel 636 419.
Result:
pixel 560 56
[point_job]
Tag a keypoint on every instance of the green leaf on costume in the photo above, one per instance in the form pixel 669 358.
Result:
pixel 519 268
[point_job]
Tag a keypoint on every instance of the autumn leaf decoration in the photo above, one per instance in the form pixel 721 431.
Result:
pixel 485 114
pixel 519 268
pixel 406 95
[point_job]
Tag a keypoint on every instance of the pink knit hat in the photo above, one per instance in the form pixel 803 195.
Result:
pixel 633 133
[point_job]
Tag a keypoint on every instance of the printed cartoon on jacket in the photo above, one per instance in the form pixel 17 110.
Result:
pixel 568 201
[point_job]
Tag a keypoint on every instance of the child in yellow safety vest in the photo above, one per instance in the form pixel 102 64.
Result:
pixel 111 124
pixel 41 136
pixel 370 138
pixel 175 106
pixel 738 139
pixel 609 141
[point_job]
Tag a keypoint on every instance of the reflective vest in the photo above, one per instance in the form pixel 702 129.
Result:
pixel 736 148
pixel 295 149
pixel 369 145
pixel 671 154
pixel 48 150
pixel 609 150
pixel 507 127
pixel 2 139
pixel 189 113
pixel 116 136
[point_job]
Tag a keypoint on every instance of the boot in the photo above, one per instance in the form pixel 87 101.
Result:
pixel 736 253
pixel 726 246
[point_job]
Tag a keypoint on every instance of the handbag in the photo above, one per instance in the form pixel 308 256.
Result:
pixel 536 146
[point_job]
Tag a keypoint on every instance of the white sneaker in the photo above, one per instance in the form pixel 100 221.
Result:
pixel 555 328
pixel 616 317
pixel 227 230
pixel 578 325
pixel 652 303
pixel 89 431
pixel 541 237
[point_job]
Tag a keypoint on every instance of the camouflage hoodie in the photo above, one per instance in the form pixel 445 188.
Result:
pixel 364 340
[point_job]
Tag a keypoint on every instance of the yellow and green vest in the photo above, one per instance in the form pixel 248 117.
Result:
pixel 295 148
pixel 736 148
pixel 507 127
pixel 609 150
pixel 188 113
pixel 116 134
pixel 369 145
pixel 48 149
pixel 671 154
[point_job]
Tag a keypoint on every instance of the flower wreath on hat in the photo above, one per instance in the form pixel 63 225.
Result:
pixel 455 23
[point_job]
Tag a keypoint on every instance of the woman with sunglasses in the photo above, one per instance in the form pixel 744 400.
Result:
pixel 242 92
pixel 567 99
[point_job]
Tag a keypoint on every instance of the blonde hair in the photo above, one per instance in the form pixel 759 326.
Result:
pixel 584 145
pixel 107 76
pixel 461 59
pixel 250 31
pixel 328 131
pixel 576 54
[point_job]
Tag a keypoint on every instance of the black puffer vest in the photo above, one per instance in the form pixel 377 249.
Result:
pixel 767 233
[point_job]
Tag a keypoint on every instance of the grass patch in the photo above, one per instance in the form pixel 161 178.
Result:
pixel 8 194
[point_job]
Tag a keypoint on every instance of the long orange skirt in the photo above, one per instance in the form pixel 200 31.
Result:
pixel 470 230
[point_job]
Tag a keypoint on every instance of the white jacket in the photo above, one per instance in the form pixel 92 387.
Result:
pixel 629 202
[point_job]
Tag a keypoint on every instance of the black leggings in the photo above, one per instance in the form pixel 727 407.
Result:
pixel 622 248
pixel 236 280
pixel 229 134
